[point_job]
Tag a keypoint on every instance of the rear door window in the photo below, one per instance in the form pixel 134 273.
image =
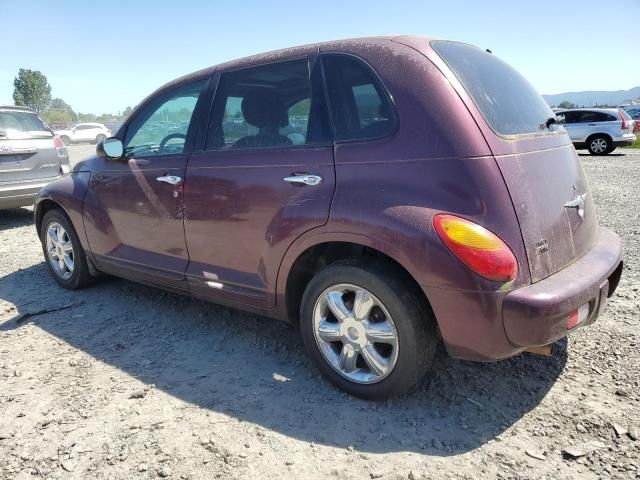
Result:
pixel 506 100
pixel 360 105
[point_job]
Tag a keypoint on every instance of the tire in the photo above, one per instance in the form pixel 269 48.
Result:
pixel 78 275
pixel 66 140
pixel 393 310
pixel 100 138
pixel 599 145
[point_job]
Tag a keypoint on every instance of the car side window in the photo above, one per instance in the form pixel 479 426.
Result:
pixel 161 127
pixel 267 106
pixel 360 105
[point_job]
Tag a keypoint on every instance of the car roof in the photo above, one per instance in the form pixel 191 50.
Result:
pixel 17 108
pixel 395 41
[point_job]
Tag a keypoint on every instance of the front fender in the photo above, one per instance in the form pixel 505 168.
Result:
pixel 68 194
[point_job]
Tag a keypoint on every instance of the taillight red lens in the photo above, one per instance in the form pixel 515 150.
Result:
pixel 478 248
pixel 57 142
pixel 624 120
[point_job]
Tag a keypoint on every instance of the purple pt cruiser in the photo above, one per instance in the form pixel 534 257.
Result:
pixel 382 193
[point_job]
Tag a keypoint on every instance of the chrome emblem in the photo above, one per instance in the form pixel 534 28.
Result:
pixel 578 204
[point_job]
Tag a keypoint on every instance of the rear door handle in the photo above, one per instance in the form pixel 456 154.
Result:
pixel 170 179
pixel 311 180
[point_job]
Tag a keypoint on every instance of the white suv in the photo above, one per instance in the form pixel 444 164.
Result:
pixel 84 132
pixel 599 130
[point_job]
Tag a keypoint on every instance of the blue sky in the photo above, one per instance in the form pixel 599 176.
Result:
pixel 102 56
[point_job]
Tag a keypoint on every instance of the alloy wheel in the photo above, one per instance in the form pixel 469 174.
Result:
pixel 599 145
pixel 355 333
pixel 60 250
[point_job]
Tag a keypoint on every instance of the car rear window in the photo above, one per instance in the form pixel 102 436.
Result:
pixel 507 101
pixel 17 125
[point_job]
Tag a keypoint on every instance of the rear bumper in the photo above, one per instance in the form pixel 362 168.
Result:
pixel 624 142
pixel 492 325
pixel 537 315
pixel 22 194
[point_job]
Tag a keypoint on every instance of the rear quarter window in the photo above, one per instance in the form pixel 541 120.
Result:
pixel 506 100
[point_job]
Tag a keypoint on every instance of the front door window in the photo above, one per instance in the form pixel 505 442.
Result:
pixel 162 129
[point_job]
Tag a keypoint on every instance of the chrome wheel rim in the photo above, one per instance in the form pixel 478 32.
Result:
pixel 60 250
pixel 599 145
pixel 355 333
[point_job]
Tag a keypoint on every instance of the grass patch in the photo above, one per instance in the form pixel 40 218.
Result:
pixel 636 144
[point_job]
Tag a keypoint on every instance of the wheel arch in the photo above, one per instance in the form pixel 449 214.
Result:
pixel 300 266
pixel 599 134
pixel 42 207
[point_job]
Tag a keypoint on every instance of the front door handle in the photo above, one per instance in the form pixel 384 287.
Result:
pixel 311 180
pixel 170 179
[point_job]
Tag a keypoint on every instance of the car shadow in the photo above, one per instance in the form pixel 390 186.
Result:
pixel 255 369
pixel 607 155
pixel 15 217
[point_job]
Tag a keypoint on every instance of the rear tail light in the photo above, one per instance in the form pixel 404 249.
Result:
pixel 579 315
pixel 624 120
pixel 478 248
pixel 61 149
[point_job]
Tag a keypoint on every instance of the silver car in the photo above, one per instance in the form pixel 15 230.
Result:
pixel 30 156
pixel 599 130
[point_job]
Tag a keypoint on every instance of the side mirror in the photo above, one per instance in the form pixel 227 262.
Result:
pixel 110 148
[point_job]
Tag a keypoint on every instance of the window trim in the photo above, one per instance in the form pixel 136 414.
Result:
pixel 311 59
pixel 385 91
pixel 159 98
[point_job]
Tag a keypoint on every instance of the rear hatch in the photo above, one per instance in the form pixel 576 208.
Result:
pixel 540 167
pixel 27 148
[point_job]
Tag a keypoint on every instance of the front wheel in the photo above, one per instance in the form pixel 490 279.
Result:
pixel 100 138
pixel 66 140
pixel 367 330
pixel 63 252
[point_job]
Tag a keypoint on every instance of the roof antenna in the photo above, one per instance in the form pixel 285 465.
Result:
pixel 489 51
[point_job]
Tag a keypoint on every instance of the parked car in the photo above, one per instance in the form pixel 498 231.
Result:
pixel 599 130
pixel 30 156
pixel 383 231
pixel 634 112
pixel 83 133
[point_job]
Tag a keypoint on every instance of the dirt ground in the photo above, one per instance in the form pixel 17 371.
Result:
pixel 132 382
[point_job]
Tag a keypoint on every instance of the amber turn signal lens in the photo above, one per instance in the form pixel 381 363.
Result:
pixel 478 248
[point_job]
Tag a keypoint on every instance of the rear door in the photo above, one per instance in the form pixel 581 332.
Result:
pixel 548 187
pixel 27 150
pixel 266 176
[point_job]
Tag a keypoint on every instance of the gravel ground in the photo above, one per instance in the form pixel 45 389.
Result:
pixel 132 382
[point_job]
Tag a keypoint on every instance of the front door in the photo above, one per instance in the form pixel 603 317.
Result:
pixel 134 207
pixel 266 176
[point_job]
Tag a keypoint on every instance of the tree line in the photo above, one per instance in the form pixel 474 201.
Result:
pixel 32 89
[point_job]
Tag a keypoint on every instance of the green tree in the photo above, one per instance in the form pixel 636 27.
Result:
pixel 53 117
pixel 567 104
pixel 59 105
pixel 31 89
pixel 127 111
pixel 86 117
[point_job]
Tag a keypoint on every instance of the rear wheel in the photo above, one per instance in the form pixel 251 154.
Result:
pixel 100 138
pixel 66 140
pixel 599 145
pixel 63 252
pixel 367 330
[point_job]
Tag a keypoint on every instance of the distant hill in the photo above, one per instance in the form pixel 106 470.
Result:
pixel 589 99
